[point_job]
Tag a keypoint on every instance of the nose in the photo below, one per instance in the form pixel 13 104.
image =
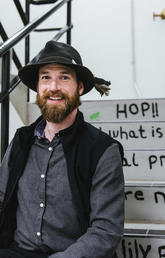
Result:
pixel 53 86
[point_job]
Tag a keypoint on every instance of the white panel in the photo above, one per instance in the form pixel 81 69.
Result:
pixel 136 135
pixel 145 203
pixel 124 110
pixel 144 165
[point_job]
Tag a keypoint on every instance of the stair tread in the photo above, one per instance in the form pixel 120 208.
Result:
pixel 142 225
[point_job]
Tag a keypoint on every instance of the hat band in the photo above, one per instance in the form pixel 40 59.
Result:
pixel 57 59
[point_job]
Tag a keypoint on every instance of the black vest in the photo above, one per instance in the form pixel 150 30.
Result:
pixel 83 146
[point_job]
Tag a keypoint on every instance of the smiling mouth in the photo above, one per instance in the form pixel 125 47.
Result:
pixel 55 98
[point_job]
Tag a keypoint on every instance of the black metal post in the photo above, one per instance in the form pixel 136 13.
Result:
pixel 69 13
pixel 20 11
pixel 27 39
pixel 5 103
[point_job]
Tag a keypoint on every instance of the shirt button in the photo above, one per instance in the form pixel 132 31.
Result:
pixel 50 148
pixel 42 176
pixel 38 234
pixel 41 205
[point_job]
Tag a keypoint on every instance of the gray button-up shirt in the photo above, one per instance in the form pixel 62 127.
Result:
pixel 46 216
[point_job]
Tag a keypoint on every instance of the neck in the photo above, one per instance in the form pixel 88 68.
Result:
pixel 52 128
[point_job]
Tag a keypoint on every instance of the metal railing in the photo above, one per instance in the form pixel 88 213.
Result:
pixel 5 53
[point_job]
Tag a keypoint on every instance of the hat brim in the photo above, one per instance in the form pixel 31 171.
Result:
pixel 29 73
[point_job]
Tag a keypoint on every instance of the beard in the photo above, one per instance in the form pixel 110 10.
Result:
pixel 56 113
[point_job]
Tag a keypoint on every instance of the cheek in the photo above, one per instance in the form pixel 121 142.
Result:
pixel 41 89
pixel 40 92
pixel 73 88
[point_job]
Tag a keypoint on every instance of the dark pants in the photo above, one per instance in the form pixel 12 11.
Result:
pixel 16 252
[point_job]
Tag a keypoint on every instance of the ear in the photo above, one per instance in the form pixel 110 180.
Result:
pixel 81 88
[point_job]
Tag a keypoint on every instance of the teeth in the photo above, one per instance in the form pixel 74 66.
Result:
pixel 55 98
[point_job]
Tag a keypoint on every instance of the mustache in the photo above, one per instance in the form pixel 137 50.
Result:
pixel 56 93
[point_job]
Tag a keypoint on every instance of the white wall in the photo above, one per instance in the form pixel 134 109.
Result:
pixel 149 46
pixel 118 41
pixel 103 33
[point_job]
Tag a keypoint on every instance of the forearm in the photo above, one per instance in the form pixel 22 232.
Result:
pixel 95 243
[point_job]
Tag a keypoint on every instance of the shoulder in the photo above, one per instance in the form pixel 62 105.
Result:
pixel 101 139
pixel 24 136
pixel 26 131
pixel 95 133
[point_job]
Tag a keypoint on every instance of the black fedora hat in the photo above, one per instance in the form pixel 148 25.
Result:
pixel 59 53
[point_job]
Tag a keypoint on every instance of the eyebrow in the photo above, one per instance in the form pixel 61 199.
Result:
pixel 63 72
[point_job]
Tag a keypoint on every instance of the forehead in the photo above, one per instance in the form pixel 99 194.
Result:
pixel 56 68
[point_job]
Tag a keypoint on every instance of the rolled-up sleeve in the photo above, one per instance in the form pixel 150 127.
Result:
pixel 107 211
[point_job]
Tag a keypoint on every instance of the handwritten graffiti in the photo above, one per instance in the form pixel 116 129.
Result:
pixel 95 116
pixel 135 109
pixel 138 249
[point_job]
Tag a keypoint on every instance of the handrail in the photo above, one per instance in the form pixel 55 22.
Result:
pixel 13 84
pixel 27 29
pixel 15 57
pixel 61 32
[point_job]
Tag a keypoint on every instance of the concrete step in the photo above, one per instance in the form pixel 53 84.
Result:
pixel 140 225
pixel 142 240
pixel 145 200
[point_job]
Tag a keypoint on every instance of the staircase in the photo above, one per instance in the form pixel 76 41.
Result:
pixel 140 126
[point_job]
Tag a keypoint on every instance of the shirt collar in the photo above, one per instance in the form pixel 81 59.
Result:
pixel 39 129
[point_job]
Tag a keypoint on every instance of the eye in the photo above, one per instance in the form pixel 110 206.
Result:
pixel 65 77
pixel 45 77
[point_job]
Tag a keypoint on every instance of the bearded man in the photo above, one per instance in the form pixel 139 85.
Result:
pixel 61 187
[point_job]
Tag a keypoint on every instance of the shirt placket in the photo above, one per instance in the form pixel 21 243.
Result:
pixel 42 192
